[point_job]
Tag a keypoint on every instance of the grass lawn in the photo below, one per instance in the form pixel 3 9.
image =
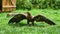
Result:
pixel 38 28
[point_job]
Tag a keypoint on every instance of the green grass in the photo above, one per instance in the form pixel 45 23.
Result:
pixel 38 28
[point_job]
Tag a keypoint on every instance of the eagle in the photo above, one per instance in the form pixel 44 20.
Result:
pixel 38 18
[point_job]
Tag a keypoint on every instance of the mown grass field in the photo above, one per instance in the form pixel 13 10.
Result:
pixel 38 28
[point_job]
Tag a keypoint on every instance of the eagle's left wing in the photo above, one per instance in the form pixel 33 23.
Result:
pixel 40 18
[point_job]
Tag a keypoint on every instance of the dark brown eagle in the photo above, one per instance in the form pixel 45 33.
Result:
pixel 39 18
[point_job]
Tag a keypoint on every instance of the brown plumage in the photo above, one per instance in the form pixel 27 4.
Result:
pixel 39 18
pixel 29 18
pixel 17 18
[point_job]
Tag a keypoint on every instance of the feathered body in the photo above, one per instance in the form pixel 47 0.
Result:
pixel 29 18
pixel 39 18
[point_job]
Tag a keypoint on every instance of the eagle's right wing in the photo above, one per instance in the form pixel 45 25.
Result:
pixel 17 18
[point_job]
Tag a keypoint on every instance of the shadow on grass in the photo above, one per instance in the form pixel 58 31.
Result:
pixel 18 24
pixel 23 24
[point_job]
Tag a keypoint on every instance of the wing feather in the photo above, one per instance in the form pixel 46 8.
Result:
pixel 17 18
pixel 40 18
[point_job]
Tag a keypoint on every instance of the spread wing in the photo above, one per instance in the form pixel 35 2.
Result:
pixel 39 18
pixel 17 18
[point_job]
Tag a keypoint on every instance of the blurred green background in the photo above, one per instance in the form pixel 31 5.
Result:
pixel 38 4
